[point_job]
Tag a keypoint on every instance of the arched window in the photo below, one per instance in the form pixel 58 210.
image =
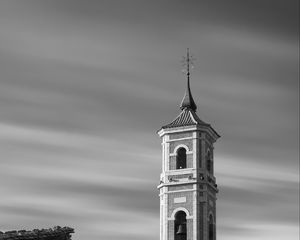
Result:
pixel 180 226
pixel 181 158
pixel 208 161
pixel 211 228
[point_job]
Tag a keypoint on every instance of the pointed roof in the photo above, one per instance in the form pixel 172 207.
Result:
pixel 188 101
pixel 188 116
pixel 188 106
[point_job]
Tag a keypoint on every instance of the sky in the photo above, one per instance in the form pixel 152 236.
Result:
pixel 85 85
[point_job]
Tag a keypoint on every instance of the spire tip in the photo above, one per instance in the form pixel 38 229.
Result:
pixel 188 101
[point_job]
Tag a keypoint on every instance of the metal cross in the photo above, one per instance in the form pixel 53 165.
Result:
pixel 187 63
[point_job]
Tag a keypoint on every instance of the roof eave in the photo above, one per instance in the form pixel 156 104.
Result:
pixel 195 127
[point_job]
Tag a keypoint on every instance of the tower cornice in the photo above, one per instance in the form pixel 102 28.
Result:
pixel 201 128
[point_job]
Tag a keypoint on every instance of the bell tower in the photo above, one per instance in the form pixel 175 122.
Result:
pixel 187 188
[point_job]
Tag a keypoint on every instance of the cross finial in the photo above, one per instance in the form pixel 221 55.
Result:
pixel 188 101
pixel 187 63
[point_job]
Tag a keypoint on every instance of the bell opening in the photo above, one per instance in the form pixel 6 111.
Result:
pixel 180 226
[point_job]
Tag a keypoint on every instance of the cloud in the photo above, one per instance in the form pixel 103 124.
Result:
pixel 84 87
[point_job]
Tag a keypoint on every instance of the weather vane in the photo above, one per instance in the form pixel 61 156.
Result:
pixel 188 63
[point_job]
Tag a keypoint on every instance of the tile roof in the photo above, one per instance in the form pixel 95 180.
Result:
pixel 187 117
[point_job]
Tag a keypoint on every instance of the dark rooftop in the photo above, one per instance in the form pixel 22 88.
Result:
pixel 56 233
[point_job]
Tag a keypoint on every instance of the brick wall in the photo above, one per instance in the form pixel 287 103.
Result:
pixel 189 229
pixel 172 163
pixel 181 135
pixel 188 143
pixel 201 223
pixel 171 225
pixel 189 160
pixel 188 204
pixel 180 187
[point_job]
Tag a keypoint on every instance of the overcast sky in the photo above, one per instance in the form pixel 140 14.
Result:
pixel 85 85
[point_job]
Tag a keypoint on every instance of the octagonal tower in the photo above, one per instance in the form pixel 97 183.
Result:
pixel 188 186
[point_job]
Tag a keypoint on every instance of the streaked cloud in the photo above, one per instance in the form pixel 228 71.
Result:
pixel 85 86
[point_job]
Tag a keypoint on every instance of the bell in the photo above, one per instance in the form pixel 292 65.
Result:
pixel 181 230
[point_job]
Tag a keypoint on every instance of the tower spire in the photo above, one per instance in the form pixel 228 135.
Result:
pixel 188 101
